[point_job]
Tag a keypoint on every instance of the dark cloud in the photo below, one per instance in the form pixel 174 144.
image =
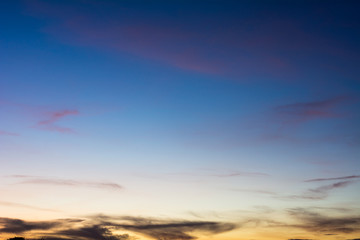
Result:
pixel 319 223
pixel 101 227
pixel 49 238
pixel 331 179
pixel 67 182
pixel 93 232
pixel 168 229
pixel 10 225
pixel 300 239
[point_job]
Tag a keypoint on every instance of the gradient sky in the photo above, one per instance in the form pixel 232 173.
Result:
pixel 173 120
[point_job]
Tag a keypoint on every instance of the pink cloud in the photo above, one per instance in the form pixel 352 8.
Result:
pixel 50 123
pixel 230 50
pixel 305 111
pixel 5 133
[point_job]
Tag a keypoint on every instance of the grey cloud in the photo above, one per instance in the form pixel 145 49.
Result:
pixel 304 111
pixel 321 192
pixel 66 182
pixel 335 178
pixel 316 222
pixel 10 225
pixel 263 192
pixel 168 229
pixel 300 239
pixel 100 228
pixel 93 232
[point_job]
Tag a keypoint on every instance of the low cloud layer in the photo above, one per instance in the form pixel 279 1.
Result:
pixel 102 227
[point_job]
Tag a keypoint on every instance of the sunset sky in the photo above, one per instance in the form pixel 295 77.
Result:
pixel 180 120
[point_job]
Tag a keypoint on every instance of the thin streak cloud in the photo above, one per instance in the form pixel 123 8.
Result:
pixel 5 133
pixel 67 182
pixel 50 122
pixel 300 112
pixel 321 192
pixel 20 205
pixel 332 179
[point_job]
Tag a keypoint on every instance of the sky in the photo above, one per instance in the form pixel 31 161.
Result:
pixel 180 120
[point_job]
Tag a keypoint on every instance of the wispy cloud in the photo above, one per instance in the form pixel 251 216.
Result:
pixel 212 173
pixel 264 192
pixel 305 111
pixel 228 48
pixel 53 117
pixel 316 222
pixel 45 117
pixel 321 192
pixel 20 205
pixel 238 174
pixel 67 182
pixel 334 178
pixel 5 133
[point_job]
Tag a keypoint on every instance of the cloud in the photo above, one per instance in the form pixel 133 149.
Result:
pixel 181 36
pixel 218 173
pixel 20 205
pixel 50 122
pixel 305 111
pixel 9 225
pixel 321 192
pixel 5 133
pixel 299 239
pixel 92 232
pixel 45 117
pixel 238 174
pixel 315 222
pixel 167 229
pixel 102 227
pixel 335 178
pixel 67 182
